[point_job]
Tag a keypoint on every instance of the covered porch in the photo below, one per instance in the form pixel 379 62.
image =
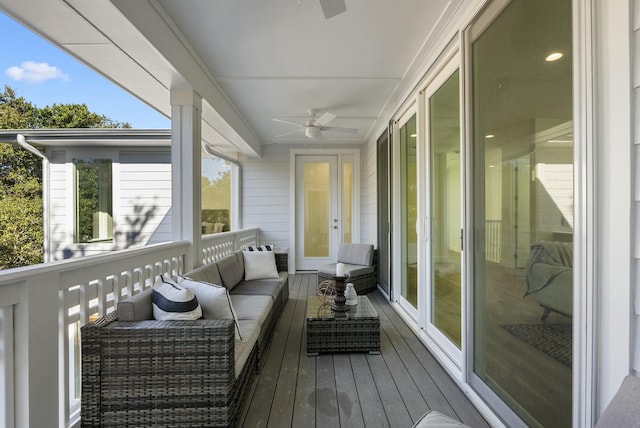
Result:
pixel 258 83
pixel 42 308
pixel 392 389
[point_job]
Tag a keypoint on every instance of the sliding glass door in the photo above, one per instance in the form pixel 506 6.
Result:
pixel 442 108
pixel 407 211
pixel 522 205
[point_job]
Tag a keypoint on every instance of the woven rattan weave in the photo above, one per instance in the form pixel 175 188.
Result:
pixel 356 330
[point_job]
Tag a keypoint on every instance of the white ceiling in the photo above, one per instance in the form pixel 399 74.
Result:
pixel 251 60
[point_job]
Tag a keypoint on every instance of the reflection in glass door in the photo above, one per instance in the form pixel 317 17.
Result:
pixel 522 196
pixel 445 207
pixel 409 212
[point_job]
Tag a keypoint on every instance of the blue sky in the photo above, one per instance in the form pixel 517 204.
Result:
pixel 44 74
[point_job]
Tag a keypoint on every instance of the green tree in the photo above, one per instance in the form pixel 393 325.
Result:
pixel 21 213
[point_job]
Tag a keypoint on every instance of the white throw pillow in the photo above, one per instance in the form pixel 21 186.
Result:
pixel 173 302
pixel 259 265
pixel 214 300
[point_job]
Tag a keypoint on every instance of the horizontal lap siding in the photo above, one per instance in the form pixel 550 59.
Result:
pixel 141 200
pixel 144 197
pixel 265 195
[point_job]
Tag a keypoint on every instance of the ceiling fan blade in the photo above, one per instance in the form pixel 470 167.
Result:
pixel 331 8
pixel 288 133
pixel 288 122
pixel 324 119
pixel 339 129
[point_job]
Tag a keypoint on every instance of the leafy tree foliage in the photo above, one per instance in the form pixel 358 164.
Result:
pixel 21 213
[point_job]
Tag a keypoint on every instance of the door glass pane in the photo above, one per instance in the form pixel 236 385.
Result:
pixel 408 171
pixel 347 201
pixel 316 209
pixel 216 195
pixel 444 128
pixel 523 209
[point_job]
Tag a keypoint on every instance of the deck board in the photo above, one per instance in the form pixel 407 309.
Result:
pixel 392 389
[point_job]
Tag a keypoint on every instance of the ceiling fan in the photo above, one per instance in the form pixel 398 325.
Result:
pixel 314 127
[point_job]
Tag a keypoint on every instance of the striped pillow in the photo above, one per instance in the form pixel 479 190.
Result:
pixel 258 248
pixel 173 302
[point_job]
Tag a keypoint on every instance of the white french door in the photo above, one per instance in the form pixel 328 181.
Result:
pixel 325 206
pixel 317 221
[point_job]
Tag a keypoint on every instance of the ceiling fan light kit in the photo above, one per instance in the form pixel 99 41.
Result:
pixel 314 127
pixel 312 132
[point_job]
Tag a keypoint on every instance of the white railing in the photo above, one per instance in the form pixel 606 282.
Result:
pixel 218 245
pixel 40 340
pixel 493 240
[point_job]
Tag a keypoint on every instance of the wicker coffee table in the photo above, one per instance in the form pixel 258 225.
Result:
pixel 356 330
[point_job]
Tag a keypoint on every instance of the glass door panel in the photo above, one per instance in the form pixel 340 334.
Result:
pixel 445 208
pixel 409 211
pixel 522 196
pixel 316 211
pixel 347 202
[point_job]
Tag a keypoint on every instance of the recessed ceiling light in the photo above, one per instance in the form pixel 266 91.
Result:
pixel 553 56
pixel 489 136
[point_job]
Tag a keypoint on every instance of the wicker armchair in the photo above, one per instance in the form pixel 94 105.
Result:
pixel 162 373
pixel 360 267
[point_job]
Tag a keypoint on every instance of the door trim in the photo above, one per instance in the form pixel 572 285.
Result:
pixel 356 228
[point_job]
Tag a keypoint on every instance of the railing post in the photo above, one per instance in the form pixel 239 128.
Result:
pixel 37 367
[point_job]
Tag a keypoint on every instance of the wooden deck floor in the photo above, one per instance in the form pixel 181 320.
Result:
pixel 393 389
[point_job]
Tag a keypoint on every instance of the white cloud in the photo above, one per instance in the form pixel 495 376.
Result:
pixel 36 72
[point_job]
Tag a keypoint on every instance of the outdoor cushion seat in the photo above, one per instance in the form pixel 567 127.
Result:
pixel 433 419
pixel 249 307
pixel 264 287
pixel 359 265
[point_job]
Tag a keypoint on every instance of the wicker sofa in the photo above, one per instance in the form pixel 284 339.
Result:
pixel 360 267
pixel 137 371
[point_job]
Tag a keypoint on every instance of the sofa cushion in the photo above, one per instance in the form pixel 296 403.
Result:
pixel 207 273
pixel 261 287
pixel 137 307
pixel 214 299
pixel 230 270
pixel 173 302
pixel 356 254
pixel 250 330
pixel 350 271
pixel 252 307
pixel 259 265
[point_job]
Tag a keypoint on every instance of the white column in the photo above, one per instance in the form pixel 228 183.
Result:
pixel 36 340
pixel 186 214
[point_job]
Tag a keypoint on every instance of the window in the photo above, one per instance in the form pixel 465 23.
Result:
pixel 93 200
pixel 216 195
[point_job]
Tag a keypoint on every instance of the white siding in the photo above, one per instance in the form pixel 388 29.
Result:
pixel 266 199
pixel 144 197
pixel 635 53
pixel 265 195
pixel 141 205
